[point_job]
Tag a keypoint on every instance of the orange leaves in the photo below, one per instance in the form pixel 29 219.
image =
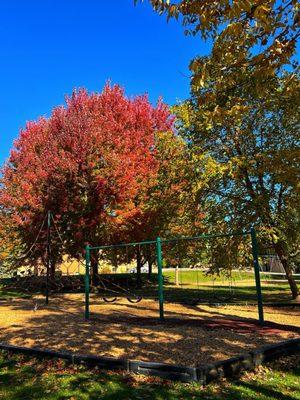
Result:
pixel 90 162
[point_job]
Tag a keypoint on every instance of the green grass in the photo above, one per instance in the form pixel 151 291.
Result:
pixel 9 294
pixel 191 277
pixel 240 288
pixel 22 378
pixel 197 286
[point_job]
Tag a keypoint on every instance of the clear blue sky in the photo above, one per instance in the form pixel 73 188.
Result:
pixel 50 47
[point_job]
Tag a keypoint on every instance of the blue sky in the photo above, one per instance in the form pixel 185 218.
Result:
pixel 50 47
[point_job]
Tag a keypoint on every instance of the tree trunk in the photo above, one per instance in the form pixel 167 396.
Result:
pixel 94 269
pixel 35 270
pixel 52 269
pixel 279 249
pixel 138 267
pixel 150 263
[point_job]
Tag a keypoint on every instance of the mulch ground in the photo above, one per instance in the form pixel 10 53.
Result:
pixel 190 335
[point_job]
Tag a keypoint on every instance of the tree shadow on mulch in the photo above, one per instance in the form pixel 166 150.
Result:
pixel 183 341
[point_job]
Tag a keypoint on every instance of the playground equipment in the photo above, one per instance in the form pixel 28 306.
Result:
pixel 109 272
pixel 166 251
pixel 109 291
pixel 38 278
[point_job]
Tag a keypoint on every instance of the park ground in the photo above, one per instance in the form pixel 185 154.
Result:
pixel 191 334
pixel 23 378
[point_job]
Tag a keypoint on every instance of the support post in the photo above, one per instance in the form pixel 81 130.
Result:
pixel 48 255
pixel 160 279
pixel 176 276
pixel 257 277
pixel 87 281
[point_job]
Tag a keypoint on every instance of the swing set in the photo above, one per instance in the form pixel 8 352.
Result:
pixel 194 254
pixel 165 251
pixel 110 291
pixel 209 269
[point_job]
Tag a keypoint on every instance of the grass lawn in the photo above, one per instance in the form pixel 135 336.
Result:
pixel 195 286
pixel 23 378
pixel 207 288
pixel 191 277
pixel 8 294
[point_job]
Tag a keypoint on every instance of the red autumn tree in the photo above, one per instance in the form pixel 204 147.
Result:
pixel 91 163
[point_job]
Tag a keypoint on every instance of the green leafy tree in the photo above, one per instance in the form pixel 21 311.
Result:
pixel 11 248
pixel 252 154
pixel 266 29
pixel 243 119
pixel 252 40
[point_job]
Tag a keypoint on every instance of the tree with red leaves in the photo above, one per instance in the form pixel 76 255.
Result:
pixel 92 163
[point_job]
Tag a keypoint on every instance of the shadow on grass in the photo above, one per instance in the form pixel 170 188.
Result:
pixel 24 378
pixel 260 390
pixel 238 292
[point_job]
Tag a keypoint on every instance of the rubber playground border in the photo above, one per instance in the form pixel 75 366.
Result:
pixel 203 374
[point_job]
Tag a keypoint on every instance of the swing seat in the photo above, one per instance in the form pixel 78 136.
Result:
pixel 133 300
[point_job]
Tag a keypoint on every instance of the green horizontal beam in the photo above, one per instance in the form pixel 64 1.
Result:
pixel 178 239
pixel 187 238
pixel 111 246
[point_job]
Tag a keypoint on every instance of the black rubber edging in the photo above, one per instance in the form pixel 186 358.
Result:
pixel 203 374
pixel 283 304
pixel 248 361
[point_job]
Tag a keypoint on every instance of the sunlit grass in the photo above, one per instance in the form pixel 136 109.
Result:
pixel 22 378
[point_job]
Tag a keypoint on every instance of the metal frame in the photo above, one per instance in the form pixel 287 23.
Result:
pixel 49 216
pixel 159 258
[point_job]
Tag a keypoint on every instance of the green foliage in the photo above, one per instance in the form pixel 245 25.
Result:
pixel 174 196
pixel 267 30
pixel 259 141
pixel 11 247
pixel 24 378
pixel 250 137
pixel 242 122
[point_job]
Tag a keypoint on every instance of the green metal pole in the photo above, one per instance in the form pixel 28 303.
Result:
pixel 160 279
pixel 48 255
pixel 87 281
pixel 257 277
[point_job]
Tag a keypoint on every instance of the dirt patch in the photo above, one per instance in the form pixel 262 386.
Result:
pixel 191 335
